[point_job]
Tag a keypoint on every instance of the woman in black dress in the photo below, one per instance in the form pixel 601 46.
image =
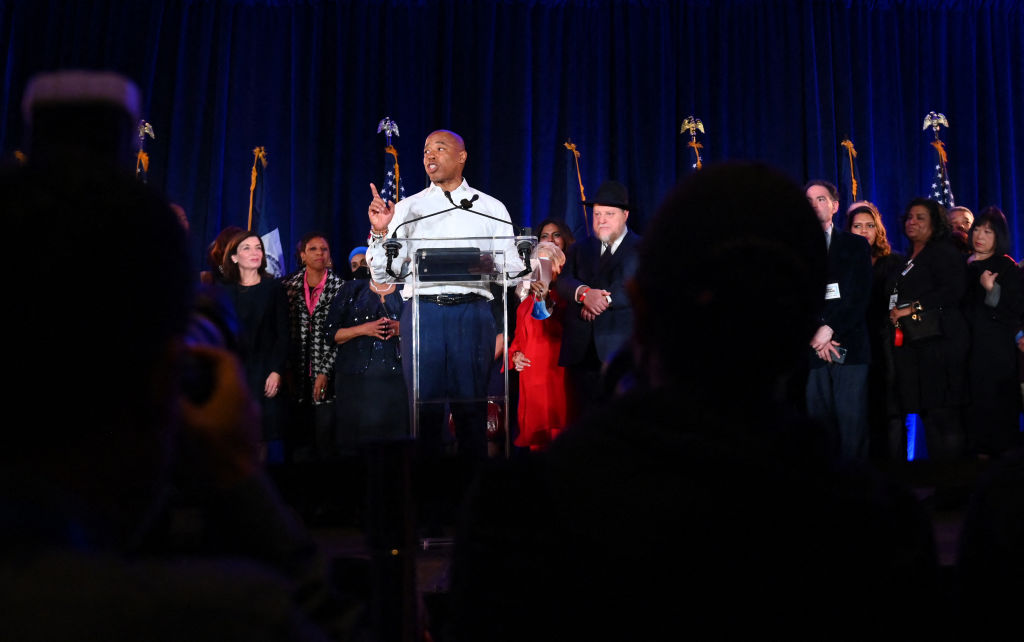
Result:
pixel 931 370
pixel 863 219
pixel 371 403
pixel 262 310
pixel 993 308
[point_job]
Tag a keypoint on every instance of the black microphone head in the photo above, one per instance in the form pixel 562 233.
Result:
pixel 525 246
pixel 391 247
pixel 468 203
pixel 448 195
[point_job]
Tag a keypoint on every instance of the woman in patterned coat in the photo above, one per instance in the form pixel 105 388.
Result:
pixel 310 356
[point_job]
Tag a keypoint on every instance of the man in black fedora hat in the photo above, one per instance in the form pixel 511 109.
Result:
pixel 600 319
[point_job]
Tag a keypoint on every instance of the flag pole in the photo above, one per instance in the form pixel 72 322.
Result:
pixel 571 146
pixel 259 154
pixel 852 153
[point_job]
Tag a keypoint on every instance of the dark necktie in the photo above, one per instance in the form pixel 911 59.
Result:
pixel 606 256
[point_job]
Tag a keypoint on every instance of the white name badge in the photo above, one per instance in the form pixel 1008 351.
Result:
pixel 892 301
pixel 831 291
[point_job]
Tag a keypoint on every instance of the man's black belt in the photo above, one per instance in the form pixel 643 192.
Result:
pixel 451 299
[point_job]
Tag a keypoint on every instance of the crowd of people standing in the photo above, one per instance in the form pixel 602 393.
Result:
pixel 315 345
pixel 940 328
pixel 945 326
pixel 323 353
pixel 697 492
pixel 341 349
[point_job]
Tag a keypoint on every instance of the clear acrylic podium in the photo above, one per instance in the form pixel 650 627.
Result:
pixel 461 268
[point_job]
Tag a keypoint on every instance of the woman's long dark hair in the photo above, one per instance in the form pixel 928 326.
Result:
pixel 563 229
pixel 881 245
pixel 231 272
pixel 995 219
pixel 215 257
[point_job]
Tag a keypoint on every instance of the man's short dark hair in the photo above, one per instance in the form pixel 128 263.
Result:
pixel 833 193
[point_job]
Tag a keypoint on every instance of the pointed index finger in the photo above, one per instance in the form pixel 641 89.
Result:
pixel 373 188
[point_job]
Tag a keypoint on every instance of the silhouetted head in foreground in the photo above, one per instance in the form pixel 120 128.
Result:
pixel 94 321
pixel 81 118
pixel 730 282
pixel 678 507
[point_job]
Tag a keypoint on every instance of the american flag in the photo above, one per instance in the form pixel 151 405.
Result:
pixel 941 191
pixel 394 189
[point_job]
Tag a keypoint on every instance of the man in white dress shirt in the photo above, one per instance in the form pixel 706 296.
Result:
pixel 457 329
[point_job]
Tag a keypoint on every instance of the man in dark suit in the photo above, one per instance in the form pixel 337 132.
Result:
pixel 599 321
pixel 837 381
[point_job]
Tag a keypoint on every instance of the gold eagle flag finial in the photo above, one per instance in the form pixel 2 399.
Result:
pixel 935 120
pixel 693 125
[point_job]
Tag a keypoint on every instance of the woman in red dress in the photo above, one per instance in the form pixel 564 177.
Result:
pixel 543 406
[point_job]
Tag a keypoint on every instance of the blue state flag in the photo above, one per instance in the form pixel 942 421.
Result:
pixel 260 220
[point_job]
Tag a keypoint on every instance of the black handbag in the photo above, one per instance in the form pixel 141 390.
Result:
pixel 920 324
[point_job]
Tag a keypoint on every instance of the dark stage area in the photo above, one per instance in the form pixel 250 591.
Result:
pixel 331 497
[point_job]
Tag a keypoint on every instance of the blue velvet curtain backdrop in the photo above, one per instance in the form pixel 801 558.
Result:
pixel 778 81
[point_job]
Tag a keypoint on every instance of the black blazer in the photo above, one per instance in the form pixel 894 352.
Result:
pixel 849 266
pixel 613 327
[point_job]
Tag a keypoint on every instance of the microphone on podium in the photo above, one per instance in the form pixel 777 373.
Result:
pixel 524 243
